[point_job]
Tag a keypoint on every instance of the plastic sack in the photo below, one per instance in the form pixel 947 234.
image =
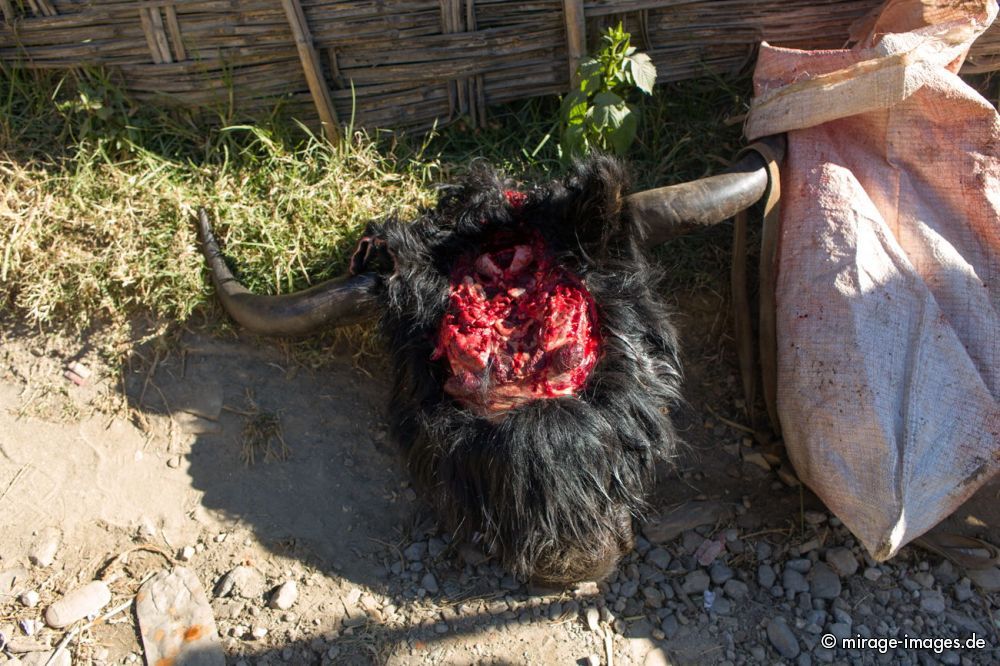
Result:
pixel 888 268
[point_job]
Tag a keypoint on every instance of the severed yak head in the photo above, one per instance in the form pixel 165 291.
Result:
pixel 534 365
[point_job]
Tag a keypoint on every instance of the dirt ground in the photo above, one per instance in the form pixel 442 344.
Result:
pixel 160 457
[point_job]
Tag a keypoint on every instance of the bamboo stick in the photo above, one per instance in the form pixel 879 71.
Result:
pixel 175 32
pixel 576 37
pixel 312 69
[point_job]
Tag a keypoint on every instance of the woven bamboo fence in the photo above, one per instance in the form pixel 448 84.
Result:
pixel 400 63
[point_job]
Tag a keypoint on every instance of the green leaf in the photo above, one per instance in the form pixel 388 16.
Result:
pixel 574 107
pixel 643 72
pixel 623 135
pixel 609 109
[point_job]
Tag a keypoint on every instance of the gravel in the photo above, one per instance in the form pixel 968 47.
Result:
pixel 783 638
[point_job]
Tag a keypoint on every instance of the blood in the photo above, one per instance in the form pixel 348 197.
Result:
pixel 519 326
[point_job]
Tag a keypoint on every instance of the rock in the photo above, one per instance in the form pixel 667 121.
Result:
pixel 669 626
pixel 415 551
pixel 243 581
pixel 945 573
pixel 629 589
pixel 814 517
pixel 759 654
pixel 782 638
pixel 794 581
pixel 986 579
pixel 824 583
pixel 176 622
pixel 186 553
pixel 429 583
pixel 695 582
pixel 801 565
pixel 722 606
pixel 591 660
pixel 666 527
pixel 842 561
pixel 932 602
pixel 766 576
pixel 284 596
pixel 78 604
pixel 43 551
pixel 963 590
pixel 735 589
pixel 29 599
pixel 259 632
pixel 872 574
pixel 48 658
pixel 652 596
pixel 840 630
pixel 12 582
pixel 720 573
pixel 658 557
pixel 965 623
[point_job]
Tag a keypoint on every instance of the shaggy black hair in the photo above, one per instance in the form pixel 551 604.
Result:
pixel 553 486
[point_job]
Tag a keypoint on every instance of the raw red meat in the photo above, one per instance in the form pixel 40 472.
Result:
pixel 519 326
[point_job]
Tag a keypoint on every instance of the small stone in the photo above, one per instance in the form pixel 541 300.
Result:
pixel 872 574
pixel 243 581
pixel 794 581
pixel 429 583
pixel 176 623
pixel 29 599
pixel 174 462
pixel 43 552
pixel 669 626
pixel 695 582
pixel 415 551
pixel 802 565
pixel 782 638
pixel 722 606
pixel 284 596
pixel 77 604
pixel 766 576
pixel 932 602
pixel 963 590
pixel 629 589
pixel 735 589
pixel 593 617
pixel 842 561
pixel 720 573
pixel 658 557
pixel 591 660
pixel 259 632
pixel 824 583
pixel 187 552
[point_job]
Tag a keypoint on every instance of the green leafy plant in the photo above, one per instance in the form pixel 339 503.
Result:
pixel 597 114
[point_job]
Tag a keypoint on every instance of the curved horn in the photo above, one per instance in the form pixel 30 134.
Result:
pixel 332 303
pixel 676 209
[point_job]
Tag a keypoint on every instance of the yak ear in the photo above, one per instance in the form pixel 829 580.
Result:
pixel 596 204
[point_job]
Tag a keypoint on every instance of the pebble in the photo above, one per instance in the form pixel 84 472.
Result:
pixel 29 599
pixel 415 551
pixel 284 596
pixel 932 602
pixel 814 517
pixel 824 583
pixel 766 575
pixel 658 557
pixel 801 565
pixel 842 561
pixel 782 638
pixel 793 581
pixel 963 590
pixel 722 606
pixel 735 589
pixel 243 581
pixel 176 623
pixel 592 660
pixel 695 582
pixel 429 583
pixel 720 573
pixel 187 552
pixel 43 552
pixel 872 574
pixel 77 604
pixel 629 589
pixel 669 626
pixel 259 632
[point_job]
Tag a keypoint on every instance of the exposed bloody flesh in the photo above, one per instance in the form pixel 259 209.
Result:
pixel 518 327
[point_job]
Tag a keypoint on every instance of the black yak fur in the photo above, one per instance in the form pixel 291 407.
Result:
pixel 551 487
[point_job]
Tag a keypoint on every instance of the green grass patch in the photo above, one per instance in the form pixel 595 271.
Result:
pixel 98 193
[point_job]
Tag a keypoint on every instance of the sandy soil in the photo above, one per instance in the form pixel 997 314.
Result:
pixel 158 456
